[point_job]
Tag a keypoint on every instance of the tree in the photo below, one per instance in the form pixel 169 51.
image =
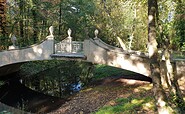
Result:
pixel 162 104
pixel 21 24
pixel 167 35
pixel 159 94
pixel 118 18
pixel 179 25
pixel 3 17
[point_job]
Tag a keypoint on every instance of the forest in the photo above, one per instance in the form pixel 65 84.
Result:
pixel 29 21
pixel 151 26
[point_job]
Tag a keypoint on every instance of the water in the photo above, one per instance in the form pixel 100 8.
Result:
pixel 43 92
pixel 17 95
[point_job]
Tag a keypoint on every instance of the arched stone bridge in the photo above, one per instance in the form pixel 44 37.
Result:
pixel 91 50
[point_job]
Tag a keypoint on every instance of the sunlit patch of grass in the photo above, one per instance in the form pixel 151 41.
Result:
pixel 149 105
pixel 146 87
pixel 143 88
pixel 129 105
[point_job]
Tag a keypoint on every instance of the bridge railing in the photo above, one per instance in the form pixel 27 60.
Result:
pixel 77 47
pixel 68 46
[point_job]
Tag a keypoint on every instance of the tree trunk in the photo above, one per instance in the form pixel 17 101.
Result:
pixel 180 104
pixel 21 25
pixel 3 17
pixel 131 37
pixel 170 74
pixel 35 28
pixel 174 90
pixel 60 19
pixel 159 94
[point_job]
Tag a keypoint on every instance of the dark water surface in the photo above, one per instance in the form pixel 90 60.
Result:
pixel 17 95
pixel 45 91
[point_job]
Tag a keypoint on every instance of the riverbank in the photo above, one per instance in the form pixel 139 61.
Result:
pixel 111 95
pixel 114 95
pixel 104 93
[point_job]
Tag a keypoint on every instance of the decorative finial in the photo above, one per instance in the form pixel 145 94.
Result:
pixel 96 33
pixel 69 32
pixel 51 29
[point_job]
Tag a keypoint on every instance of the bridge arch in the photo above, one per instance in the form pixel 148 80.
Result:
pixel 9 59
pixel 94 50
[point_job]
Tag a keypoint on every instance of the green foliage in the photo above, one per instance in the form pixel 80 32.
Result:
pixel 128 105
pixel 4 43
pixel 78 16
pixel 87 72
pixel 179 25
pixel 29 20
pixel 171 25
pixel 103 71
pixel 32 68
pixel 51 77
pixel 122 18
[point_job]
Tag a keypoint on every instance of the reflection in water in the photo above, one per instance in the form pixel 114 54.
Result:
pixel 47 90
pixel 61 81
pixel 15 94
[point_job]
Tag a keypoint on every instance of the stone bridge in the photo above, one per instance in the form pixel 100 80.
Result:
pixel 91 50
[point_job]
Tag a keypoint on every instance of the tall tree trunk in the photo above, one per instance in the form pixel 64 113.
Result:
pixel 60 19
pixel 180 104
pixel 21 25
pixel 159 94
pixel 131 37
pixel 35 28
pixel 170 77
pixel 3 17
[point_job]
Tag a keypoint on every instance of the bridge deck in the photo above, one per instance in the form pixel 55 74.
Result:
pixel 69 55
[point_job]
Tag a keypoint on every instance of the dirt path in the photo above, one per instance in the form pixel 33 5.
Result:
pixel 102 93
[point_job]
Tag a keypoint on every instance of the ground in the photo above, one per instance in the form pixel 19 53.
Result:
pixel 103 93
pixel 117 95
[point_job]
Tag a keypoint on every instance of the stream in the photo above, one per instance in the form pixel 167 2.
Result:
pixel 40 93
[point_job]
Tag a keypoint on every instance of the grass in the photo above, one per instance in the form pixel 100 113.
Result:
pixel 139 102
pixel 130 105
pixel 103 71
